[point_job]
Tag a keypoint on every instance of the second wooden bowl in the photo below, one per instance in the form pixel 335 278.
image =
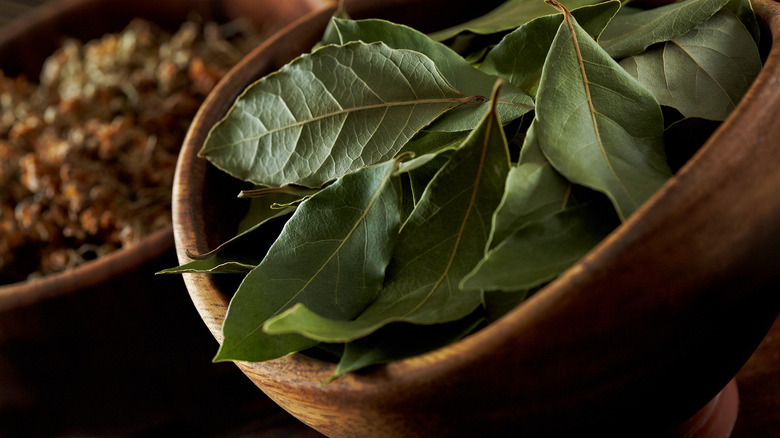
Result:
pixel 107 348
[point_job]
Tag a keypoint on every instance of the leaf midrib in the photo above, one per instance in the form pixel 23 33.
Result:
pixel 343 241
pixel 455 100
pixel 461 230
pixel 591 108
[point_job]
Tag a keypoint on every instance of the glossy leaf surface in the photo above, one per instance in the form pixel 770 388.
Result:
pixel 520 55
pixel 596 124
pixel 542 250
pixel 629 34
pixel 703 73
pixel 329 113
pixel 439 244
pixel 507 16
pixel 512 102
pixel 331 256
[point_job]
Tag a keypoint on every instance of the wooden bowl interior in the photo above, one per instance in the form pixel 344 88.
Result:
pixel 643 331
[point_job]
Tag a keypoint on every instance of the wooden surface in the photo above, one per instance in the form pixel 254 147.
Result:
pixel 129 357
pixel 9 9
pixel 87 402
pixel 759 390
pixel 649 357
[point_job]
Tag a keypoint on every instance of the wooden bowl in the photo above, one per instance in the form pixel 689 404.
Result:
pixel 77 344
pixel 26 42
pixel 631 341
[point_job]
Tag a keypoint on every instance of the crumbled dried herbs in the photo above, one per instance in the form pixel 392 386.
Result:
pixel 87 155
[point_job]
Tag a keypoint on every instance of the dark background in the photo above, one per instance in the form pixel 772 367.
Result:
pixel 130 359
pixel 150 374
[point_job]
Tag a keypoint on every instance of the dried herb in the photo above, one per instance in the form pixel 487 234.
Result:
pixel 88 149
pixel 454 187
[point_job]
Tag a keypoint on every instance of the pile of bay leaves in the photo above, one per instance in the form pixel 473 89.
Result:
pixel 429 183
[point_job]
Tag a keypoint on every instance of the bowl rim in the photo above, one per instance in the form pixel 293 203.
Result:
pixel 98 271
pixel 294 378
pixel 89 274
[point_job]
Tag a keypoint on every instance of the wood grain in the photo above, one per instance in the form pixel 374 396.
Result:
pixel 643 331
pixel 110 349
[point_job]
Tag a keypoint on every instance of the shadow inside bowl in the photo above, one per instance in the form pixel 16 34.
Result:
pixel 645 330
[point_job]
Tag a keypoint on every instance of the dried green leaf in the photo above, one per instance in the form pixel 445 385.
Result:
pixel 422 169
pixel 426 142
pixel 629 34
pixel 533 190
pixel 743 9
pixel 216 264
pixel 512 102
pixel 244 251
pixel 596 124
pixel 520 55
pixel 542 250
pixel 331 256
pixel 498 303
pixel 507 16
pixel 703 73
pixel 400 341
pixel 329 113
pixel 440 243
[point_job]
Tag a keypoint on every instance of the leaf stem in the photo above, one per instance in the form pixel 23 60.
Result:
pixel 454 101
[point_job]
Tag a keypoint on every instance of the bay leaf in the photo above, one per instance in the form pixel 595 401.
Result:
pixel 406 195
pixel 331 33
pixel 422 170
pixel 465 117
pixel 400 341
pixel 215 264
pixel 241 253
pixel 331 255
pixel 507 16
pixel 329 113
pixel 540 251
pixel 427 142
pixel 520 55
pixel 441 242
pixel 596 124
pixel 703 73
pixel 262 209
pixel 629 34
pixel 743 9
pixel 534 189
pixel 512 102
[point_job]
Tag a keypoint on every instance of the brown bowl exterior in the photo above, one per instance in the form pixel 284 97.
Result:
pixel 25 43
pixel 84 347
pixel 632 340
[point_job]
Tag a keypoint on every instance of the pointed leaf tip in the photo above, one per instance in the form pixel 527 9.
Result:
pixel 597 125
